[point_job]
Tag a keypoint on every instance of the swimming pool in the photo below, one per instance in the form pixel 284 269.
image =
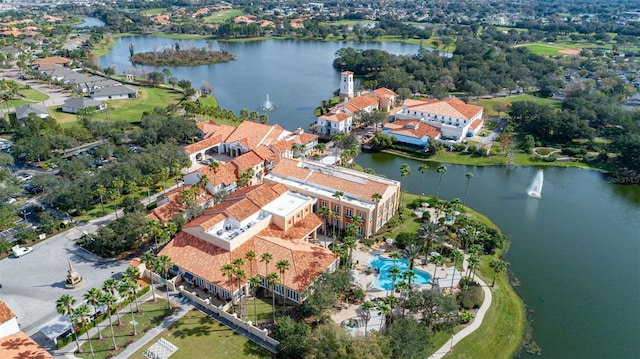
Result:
pixel 384 265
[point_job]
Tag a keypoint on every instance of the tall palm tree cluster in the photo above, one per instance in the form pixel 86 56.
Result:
pixel 95 300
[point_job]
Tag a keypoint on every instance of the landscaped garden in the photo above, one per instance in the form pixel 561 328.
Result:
pixel 198 336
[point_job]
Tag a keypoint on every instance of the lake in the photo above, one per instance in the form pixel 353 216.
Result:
pixel 576 250
pixel 297 75
pixel 88 21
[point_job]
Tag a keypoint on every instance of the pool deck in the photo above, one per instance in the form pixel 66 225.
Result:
pixel 366 282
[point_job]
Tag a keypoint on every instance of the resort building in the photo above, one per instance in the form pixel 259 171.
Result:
pixel 454 119
pixel 344 116
pixel 371 198
pixel 14 343
pixel 265 218
pixel 247 137
pixel 412 132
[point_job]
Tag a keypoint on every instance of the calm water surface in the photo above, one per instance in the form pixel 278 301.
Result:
pixel 576 251
pixel 296 74
pixel 88 21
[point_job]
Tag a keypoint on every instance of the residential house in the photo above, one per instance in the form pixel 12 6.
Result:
pixel 58 60
pixel 220 179
pixel 14 343
pixel 262 219
pixel 252 165
pixel 249 135
pixel 359 192
pixel 455 119
pixel 334 122
pixel 23 112
pixel 213 135
pixel 75 105
pixel 175 202
pixel 114 93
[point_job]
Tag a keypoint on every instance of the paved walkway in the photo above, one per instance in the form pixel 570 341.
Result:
pixel 68 350
pixel 477 321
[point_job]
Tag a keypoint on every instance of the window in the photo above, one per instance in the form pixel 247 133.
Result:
pixel 323 204
pixel 336 209
pixel 361 215
pixel 361 231
pixel 349 214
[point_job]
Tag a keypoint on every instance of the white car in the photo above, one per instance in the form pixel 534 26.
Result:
pixel 20 251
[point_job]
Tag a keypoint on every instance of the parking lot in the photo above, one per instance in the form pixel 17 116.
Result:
pixel 31 284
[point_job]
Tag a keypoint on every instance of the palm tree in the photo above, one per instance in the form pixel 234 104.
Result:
pixel 498 266
pixel 395 256
pixel 227 271
pixel 240 275
pixel 441 170
pixel 94 297
pixel 385 310
pixel 411 252
pixel 110 301
pixel 366 308
pixel 111 286
pixel 272 280
pixel 133 274
pixel 255 282
pixel 339 195
pixel 473 261
pixel 163 264
pixel 283 266
pixel 325 212
pixel 153 228
pixel 427 232
pixel 394 274
pixel 457 256
pixel 469 176
pixel 126 291
pixel 266 257
pixel 349 244
pixel 438 261
pixel 82 312
pixel 405 171
pixel 251 257
pixel 64 306
pixel 147 181
pixel 149 259
pixel 423 168
pixel 101 191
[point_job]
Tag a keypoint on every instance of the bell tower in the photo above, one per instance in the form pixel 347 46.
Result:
pixel 346 85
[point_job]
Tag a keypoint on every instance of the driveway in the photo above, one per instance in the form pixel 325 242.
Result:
pixel 56 95
pixel 30 285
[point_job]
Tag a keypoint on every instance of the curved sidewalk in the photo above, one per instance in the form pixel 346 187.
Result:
pixel 477 322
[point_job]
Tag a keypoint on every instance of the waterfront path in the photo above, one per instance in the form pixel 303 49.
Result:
pixel 477 321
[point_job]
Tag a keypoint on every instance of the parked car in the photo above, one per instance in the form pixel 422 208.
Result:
pixel 21 251
pixel 205 161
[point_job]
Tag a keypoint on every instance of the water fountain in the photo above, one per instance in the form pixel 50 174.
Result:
pixel 535 189
pixel 268 105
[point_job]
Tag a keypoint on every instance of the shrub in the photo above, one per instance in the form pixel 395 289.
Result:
pixel 404 239
pixel 465 317
pixel 472 297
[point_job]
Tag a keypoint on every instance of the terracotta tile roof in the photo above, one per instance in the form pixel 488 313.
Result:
pixel 253 134
pixel 6 313
pixel 135 262
pixel 206 260
pixel 475 124
pixel 202 145
pixel 335 117
pixel 210 128
pixel 384 92
pixel 53 60
pixel 281 146
pixel 451 108
pixel 166 211
pixel 248 159
pixel 20 345
pixel 361 186
pixel 347 73
pixel 413 128
pixel 265 153
pixel 307 137
pixel 227 174
pixel 299 230
pixel 362 102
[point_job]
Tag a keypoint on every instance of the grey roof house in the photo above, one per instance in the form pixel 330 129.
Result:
pixel 22 112
pixel 75 105
pixel 114 93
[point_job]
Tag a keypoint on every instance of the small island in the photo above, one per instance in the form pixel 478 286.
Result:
pixel 181 57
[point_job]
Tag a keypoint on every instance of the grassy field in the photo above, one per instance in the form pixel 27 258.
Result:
pixel 33 95
pixel 264 308
pixel 222 16
pixel 489 104
pixel 200 337
pixel 152 315
pixel 129 110
pixel 156 11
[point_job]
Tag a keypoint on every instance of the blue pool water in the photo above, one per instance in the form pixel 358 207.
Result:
pixel 384 265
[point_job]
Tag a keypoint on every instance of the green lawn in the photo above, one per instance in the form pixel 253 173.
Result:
pixel 549 49
pixel 33 95
pixel 129 110
pixel 152 315
pixel 489 103
pixel 222 16
pixel 156 11
pixel 210 100
pixel 264 309
pixel 200 337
